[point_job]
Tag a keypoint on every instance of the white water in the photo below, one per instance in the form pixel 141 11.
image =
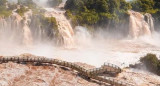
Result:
pixel 138 25
pixel 15 29
pixel 94 51
pixel 91 50
pixel 16 37
pixel 64 27
pixel 27 40
pixel 150 21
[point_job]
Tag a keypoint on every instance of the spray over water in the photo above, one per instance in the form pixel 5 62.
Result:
pixel 17 31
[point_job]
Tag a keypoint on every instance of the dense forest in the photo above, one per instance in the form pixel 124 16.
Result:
pixel 108 13
pixel 97 12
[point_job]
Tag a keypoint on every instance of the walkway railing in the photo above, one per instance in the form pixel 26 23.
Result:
pixel 91 73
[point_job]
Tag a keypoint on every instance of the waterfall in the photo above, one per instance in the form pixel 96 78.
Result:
pixel 138 25
pixel 64 27
pixel 149 20
pixel 28 28
pixel 16 29
pixel 27 35
pixel 8 28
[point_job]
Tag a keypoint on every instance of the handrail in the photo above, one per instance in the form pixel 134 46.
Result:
pixel 91 73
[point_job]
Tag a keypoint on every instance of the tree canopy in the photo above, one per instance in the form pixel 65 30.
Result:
pixel 95 12
pixel 108 12
pixel 146 6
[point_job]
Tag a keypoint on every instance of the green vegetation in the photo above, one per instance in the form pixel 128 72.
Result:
pixel 145 6
pixel 4 11
pixel 108 13
pixel 31 5
pixel 152 63
pixel 22 10
pixel 92 13
pixel 51 24
pixel 47 24
pixel 97 12
pixel 38 18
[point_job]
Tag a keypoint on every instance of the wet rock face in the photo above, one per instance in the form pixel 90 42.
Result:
pixel 13 74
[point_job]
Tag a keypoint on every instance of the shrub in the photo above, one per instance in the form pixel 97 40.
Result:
pixel 152 63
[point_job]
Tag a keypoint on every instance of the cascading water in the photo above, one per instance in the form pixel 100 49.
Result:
pixel 149 19
pixel 138 25
pixel 92 49
pixel 27 28
pixel 27 35
pixel 16 28
pixel 9 28
pixel 64 27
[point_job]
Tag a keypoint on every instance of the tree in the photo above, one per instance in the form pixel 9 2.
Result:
pixel 125 6
pixel 146 6
pixel 74 5
pixel 157 4
pixel 96 12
